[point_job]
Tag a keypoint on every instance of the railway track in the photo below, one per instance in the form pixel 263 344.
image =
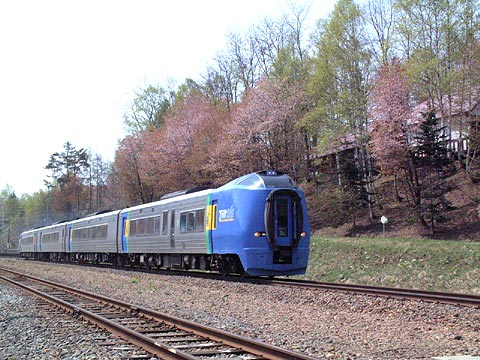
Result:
pixel 430 296
pixel 159 334
pixel 398 293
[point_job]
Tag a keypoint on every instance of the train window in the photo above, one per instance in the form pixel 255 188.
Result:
pixel 200 220
pixel 157 225
pixel 27 241
pixel 165 223
pixel 95 232
pixel 282 217
pixel 192 221
pixel 145 226
pixel 91 233
pixel 254 181
pixel 282 181
pixel 141 227
pixel 51 238
pixel 104 231
pixel 150 226
pixel 258 181
pixel 133 228
pixel 183 222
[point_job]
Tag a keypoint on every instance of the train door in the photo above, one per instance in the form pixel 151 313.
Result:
pixel 172 229
pixel 62 239
pixel 125 232
pixel 283 225
pixel 212 210
pixel 69 238
pixel 39 240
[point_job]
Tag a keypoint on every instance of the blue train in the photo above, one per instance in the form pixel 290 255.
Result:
pixel 256 225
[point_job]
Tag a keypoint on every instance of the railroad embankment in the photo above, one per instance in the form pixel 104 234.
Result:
pixel 435 265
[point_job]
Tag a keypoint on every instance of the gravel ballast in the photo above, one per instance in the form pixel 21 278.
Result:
pixel 322 324
pixel 32 329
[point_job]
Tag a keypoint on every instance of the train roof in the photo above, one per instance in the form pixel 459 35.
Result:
pixel 184 192
pixel 258 180
pixel 262 180
pixel 101 214
pixel 178 196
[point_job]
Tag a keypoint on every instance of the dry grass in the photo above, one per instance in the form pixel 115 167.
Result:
pixel 451 266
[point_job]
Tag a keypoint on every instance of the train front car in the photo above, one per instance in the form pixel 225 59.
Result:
pixel 262 218
pixel 28 244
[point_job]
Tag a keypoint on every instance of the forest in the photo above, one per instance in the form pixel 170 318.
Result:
pixel 375 108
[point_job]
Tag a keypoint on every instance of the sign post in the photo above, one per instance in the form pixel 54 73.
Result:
pixel 383 220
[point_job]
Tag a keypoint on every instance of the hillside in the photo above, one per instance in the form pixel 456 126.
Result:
pixel 462 223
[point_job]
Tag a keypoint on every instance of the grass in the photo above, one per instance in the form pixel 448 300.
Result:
pixel 436 265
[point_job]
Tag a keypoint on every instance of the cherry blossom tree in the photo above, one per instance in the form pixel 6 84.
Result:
pixel 393 132
pixel 391 113
pixel 262 133
pixel 130 169
pixel 186 143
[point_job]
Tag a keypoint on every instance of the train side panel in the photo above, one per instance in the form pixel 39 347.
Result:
pixel 27 242
pixel 94 234
pixel 51 239
pixel 175 226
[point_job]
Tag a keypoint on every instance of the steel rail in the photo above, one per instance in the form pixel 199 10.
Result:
pixel 430 296
pixel 399 293
pixel 148 344
pixel 167 352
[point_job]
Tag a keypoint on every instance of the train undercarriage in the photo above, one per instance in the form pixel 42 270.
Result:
pixel 221 263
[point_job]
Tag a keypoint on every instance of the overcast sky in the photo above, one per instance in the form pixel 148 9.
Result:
pixel 68 69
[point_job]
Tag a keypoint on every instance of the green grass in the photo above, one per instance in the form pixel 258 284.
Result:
pixel 435 265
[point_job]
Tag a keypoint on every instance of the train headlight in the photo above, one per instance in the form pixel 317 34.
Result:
pixel 303 234
pixel 259 234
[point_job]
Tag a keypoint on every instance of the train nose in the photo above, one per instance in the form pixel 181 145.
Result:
pixel 284 221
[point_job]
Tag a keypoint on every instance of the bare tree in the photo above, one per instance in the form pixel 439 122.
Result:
pixel 381 15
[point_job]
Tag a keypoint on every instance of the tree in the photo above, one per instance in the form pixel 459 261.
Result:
pixel 11 218
pixel 128 167
pixel 185 145
pixel 436 36
pixel 392 129
pixel 251 57
pixel 99 170
pixel 261 133
pixel 467 87
pixel 39 209
pixel 434 166
pixel 148 109
pixel 393 133
pixel 440 40
pixel 69 163
pixel 68 168
pixel 382 15
pixel 338 88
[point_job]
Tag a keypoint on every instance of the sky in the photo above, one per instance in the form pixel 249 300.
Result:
pixel 70 68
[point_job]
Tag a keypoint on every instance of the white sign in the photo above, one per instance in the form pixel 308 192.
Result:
pixel 383 220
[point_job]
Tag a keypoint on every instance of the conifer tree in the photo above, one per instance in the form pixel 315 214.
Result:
pixel 435 165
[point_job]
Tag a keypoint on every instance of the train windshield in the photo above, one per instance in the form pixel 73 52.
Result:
pixel 267 180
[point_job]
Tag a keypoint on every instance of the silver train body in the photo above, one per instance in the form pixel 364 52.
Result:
pixel 256 224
